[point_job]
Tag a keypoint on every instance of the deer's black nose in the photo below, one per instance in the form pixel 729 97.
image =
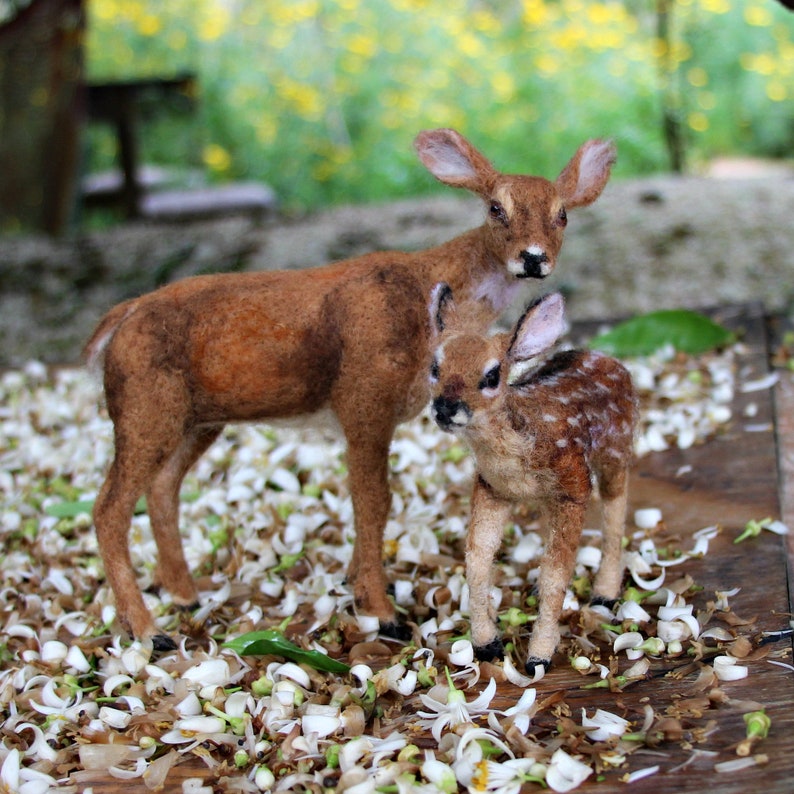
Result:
pixel 450 414
pixel 443 410
pixel 536 264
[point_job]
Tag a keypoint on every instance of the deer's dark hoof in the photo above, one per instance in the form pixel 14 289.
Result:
pixel 162 643
pixel 534 662
pixel 396 630
pixel 493 650
pixel 602 601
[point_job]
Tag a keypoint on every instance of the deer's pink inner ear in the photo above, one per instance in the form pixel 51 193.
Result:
pixel 539 328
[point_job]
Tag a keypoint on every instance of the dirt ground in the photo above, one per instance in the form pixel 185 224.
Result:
pixel 651 243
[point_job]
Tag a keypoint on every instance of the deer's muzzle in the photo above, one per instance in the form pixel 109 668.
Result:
pixel 450 415
pixel 536 264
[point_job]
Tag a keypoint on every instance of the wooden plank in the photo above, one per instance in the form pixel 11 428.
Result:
pixel 784 428
pixel 727 481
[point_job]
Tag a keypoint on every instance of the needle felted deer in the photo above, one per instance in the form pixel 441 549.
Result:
pixel 350 338
pixel 543 436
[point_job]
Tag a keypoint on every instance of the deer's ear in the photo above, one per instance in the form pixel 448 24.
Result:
pixel 442 307
pixel 541 325
pixel 585 176
pixel 451 159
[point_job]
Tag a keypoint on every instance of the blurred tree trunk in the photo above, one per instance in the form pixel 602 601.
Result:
pixel 41 78
pixel 672 125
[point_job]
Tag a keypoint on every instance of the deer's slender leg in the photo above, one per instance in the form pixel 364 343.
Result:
pixel 489 515
pixel 163 506
pixel 368 476
pixel 566 520
pixel 145 439
pixel 610 574
pixel 130 474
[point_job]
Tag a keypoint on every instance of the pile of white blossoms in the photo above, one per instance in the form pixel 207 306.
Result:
pixel 266 522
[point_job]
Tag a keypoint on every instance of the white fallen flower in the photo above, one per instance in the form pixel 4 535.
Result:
pixel 461 653
pixel 639 774
pixel 454 710
pixel 603 725
pixel 566 773
pixel 115 718
pixel 189 706
pixel 18 779
pixel 672 619
pixel 632 611
pixel 521 714
pixel 514 675
pixel 40 748
pixel 441 775
pixel 726 668
pixel 638 567
pixel 211 672
pixel 508 777
pixel 628 640
pixel 585 666
pixel 191 729
pixel 647 518
pixel 638 669
pixel 76 660
pixel 320 720
pixel 54 652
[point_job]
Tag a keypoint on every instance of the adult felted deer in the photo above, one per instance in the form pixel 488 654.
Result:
pixel 542 434
pixel 350 338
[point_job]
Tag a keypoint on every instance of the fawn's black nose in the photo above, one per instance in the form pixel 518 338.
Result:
pixel 450 414
pixel 536 264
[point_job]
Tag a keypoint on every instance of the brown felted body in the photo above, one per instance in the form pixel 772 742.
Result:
pixel 352 337
pixel 543 436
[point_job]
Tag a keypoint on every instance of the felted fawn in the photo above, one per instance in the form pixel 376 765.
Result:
pixel 542 435
pixel 349 337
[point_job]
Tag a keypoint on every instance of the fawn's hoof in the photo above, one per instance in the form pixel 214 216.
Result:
pixel 493 650
pixel 396 630
pixel 533 662
pixel 163 643
pixel 603 601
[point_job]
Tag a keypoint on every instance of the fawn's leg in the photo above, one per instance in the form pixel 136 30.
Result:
pixel 163 505
pixel 614 496
pixel 565 520
pixel 489 514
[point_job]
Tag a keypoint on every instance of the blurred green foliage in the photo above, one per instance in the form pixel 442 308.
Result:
pixel 322 98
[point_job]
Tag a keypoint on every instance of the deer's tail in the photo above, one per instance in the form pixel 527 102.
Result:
pixel 95 347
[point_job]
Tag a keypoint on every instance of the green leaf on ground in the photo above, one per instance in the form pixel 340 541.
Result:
pixel 686 331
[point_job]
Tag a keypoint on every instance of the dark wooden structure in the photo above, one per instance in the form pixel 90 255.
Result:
pixel 118 103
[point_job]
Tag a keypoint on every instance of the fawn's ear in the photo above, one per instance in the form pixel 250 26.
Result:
pixel 451 159
pixel 541 325
pixel 583 179
pixel 442 307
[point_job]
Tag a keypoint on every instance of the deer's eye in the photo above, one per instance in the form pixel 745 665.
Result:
pixel 497 212
pixel 434 370
pixel 490 380
pixel 561 221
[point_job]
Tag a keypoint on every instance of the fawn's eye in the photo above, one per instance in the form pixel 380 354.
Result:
pixel 434 370
pixel 490 380
pixel 497 212
pixel 561 221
